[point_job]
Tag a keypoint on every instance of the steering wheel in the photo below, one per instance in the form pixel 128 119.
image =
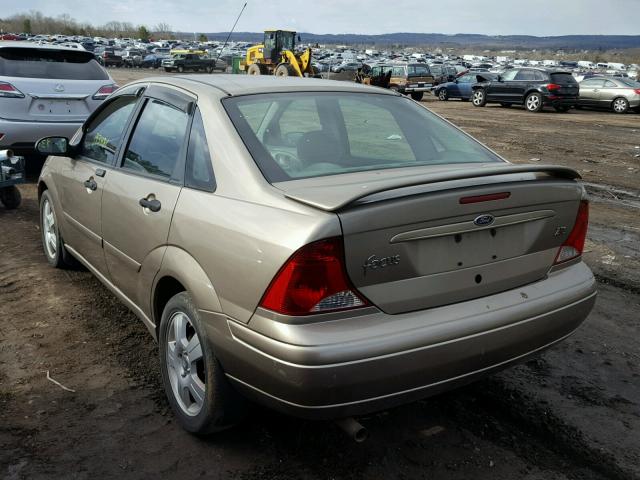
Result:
pixel 288 161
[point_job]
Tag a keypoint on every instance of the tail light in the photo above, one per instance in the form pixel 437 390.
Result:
pixel 314 280
pixel 637 91
pixel 9 91
pixel 105 91
pixel 574 245
pixel 552 87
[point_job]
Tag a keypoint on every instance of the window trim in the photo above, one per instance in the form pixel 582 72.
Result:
pixel 161 94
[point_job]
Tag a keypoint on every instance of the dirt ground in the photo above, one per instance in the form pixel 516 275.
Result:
pixel 571 413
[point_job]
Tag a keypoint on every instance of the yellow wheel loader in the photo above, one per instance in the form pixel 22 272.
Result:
pixel 277 56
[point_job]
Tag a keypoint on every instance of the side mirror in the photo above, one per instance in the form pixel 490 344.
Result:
pixel 299 39
pixel 53 146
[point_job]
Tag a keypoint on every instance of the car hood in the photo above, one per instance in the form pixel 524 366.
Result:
pixel 333 192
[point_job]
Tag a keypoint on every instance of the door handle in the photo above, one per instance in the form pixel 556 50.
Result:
pixel 91 184
pixel 153 205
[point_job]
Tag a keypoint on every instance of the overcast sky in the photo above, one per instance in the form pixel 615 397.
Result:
pixel 492 17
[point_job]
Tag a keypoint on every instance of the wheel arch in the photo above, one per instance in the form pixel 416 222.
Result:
pixel 181 272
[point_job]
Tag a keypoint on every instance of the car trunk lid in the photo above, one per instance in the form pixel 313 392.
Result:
pixel 435 242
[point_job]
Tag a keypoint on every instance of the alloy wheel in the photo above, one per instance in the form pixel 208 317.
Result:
pixel 185 364
pixel 478 97
pixel 50 230
pixel 533 102
pixel 442 94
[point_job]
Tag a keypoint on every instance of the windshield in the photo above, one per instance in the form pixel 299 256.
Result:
pixel 301 135
pixel 56 64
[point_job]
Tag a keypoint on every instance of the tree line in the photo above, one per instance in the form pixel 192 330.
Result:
pixel 36 23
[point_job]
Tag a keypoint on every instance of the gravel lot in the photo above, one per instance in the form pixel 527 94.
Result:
pixel 573 412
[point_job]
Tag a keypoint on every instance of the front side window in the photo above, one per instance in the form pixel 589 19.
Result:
pixel 104 133
pixel 293 135
pixel 157 140
pixel 593 83
pixel 509 75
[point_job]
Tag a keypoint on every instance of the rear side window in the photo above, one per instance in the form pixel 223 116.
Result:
pixel 563 79
pixel 526 75
pixel 51 64
pixel 199 173
pixel 157 140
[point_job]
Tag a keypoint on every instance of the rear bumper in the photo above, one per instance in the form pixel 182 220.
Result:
pixel 374 361
pixel 561 101
pixel 21 136
pixel 426 88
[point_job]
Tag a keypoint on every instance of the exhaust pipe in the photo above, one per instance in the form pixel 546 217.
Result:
pixel 353 429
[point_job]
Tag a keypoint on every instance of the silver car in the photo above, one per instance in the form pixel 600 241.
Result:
pixel 616 94
pixel 46 90
pixel 325 248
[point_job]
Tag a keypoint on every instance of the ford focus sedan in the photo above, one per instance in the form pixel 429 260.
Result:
pixel 324 248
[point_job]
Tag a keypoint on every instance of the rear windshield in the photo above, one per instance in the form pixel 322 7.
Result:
pixel 302 135
pixel 56 64
pixel 417 70
pixel 563 79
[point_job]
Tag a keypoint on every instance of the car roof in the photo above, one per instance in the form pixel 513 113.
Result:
pixel 227 85
pixel 44 46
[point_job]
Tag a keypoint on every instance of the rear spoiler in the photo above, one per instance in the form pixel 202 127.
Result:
pixel 333 197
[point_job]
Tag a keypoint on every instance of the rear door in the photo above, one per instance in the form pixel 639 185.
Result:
pixel 81 180
pixel 52 85
pixel 141 194
pixel 609 91
pixel 590 91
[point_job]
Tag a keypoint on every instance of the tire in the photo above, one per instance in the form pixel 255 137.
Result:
pixel 10 197
pixel 417 96
pixel 180 69
pixel 209 69
pixel 285 70
pixel 505 105
pixel 169 70
pixel 620 105
pixel 254 69
pixel 443 94
pixel 479 98
pixel 562 108
pixel 533 103
pixel 207 403
pixel 52 242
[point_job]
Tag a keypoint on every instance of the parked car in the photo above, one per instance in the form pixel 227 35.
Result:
pixel 46 90
pixel 442 73
pixel 153 60
pixel 183 62
pixel 461 87
pixel 532 87
pixel 407 78
pixel 616 94
pixel 109 57
pixel 132 58
pixel 261 229
pixel 346 67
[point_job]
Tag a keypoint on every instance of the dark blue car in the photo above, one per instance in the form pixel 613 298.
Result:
pixel 460 87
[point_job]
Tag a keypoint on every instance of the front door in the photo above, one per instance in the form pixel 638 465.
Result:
pixel 83 178
pixel 139 199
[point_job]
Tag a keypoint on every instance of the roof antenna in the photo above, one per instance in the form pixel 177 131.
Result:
pixel 232 29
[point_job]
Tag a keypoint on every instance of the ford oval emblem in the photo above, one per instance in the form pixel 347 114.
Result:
pixel 484 220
